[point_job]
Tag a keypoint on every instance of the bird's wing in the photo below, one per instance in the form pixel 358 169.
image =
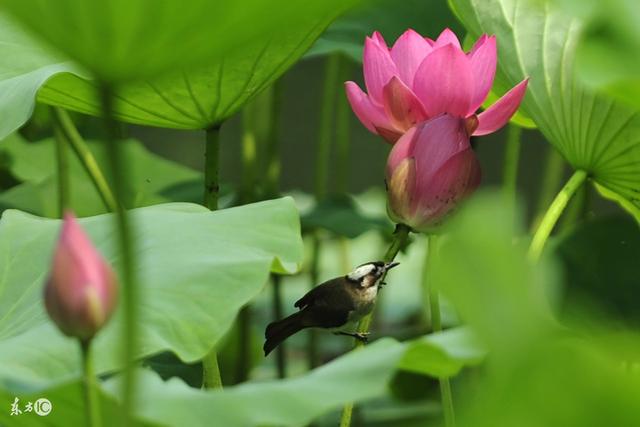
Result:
pixel 331 294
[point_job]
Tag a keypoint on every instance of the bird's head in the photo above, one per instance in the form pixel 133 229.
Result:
pixel 370 274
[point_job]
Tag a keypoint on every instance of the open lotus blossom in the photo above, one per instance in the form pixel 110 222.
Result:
pixel 419 78
pixel 81 292
pixel 430 169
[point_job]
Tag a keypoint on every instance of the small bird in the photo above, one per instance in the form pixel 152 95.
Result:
pixel 333 304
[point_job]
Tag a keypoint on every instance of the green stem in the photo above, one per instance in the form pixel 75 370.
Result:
pixel 272 189
pixel 554 170
pixel 436 326
pixel 325 130
pixel 281 361
pixel 89 386
pixel 314 276
pixel 244 345
pixel 119 172
pixel 343 118
pixel 249 164
pixel 400 236
pixel 511 157
pixel 553 213
pixel 211 166
pixel 62 164
pixel 272 170
pixel 210 370
pixel 323 151
pixel 87 160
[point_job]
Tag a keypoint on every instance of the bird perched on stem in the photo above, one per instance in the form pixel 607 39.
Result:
pixel 334 304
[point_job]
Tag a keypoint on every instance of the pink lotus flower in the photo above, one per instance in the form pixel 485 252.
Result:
pixel 429 171
pixel 419 78
pixel 81 292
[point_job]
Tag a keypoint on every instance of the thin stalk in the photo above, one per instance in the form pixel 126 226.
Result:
pixel 400 236
pixel 436 326
pixel 211 168
pixel 325 130
pixel 210 370
pixel 323 152
pixel 272 189
pixel 62 170
pixel 343 119
pixel 511 158
pixel 246 194
pixel 85 156
pixel 272 149
pixel 314 276
pixel 249 156
pixel 281 361
pixel 119 172
pixel 244 345
pixel 89 387
pixel 554 170
pixel 553 213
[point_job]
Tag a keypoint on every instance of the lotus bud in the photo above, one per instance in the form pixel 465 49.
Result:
pixel 430 170
pixel 81 292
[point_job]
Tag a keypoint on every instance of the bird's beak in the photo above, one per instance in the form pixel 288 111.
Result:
pixel 390 265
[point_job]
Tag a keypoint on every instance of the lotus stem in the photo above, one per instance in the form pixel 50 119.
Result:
pixel 400 236
pixel 553 213
pixel 89 385
pixel 85 156
pixel 62 166
pixel 210 370
pixel 119 172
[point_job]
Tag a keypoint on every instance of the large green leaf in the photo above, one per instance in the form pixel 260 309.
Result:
pixel 443 354
pixel 593 133
pixel 538 373
pixel 196 269
pixel 126 39
pixel 26 67
pixel 32 163
pixel 357 376
pixel 186 98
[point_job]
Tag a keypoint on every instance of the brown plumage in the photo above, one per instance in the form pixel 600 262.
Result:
pixel 332 304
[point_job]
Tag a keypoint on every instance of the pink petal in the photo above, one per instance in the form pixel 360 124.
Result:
pixel 482 58
pixel 400 190
pixel 378 67
pixel 402 149
pixel 401 105
pixel 481 40
pixel 447 37
pixel 435 142
pixel 496 116
pixel 455 180
pixel 444 82
pixel 407 53
pixel 371 116
pixel 378 38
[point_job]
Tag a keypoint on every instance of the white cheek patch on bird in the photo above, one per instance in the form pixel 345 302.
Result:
pixel 361 271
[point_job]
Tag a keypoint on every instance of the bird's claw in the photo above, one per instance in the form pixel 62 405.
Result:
pixel 362 337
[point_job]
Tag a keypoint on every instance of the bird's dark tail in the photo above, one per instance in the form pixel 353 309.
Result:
pixel 281 330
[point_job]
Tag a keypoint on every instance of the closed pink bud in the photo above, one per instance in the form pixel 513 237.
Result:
pixel 419 78
pixel 81 292
pixel 430 170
